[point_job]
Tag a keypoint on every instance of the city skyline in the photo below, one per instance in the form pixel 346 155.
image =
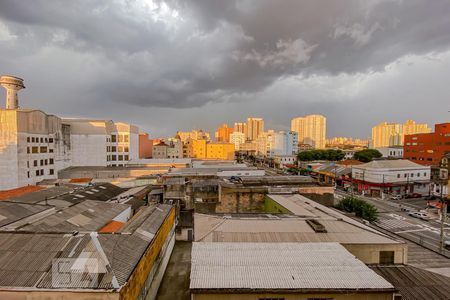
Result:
pixel 205 64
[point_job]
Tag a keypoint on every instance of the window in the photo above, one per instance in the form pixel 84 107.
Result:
pixel 120 149
pixel 42 162
pixel 28 174
pixel 28 150
pixel 125 138
pixel 51 172
pixel 37 172
pixel 398 175
pixel 120 138
pixel 113 149
pixel 46 162
pixel 28 164
pixel 126 157
pixel 32 139
pixel 50 140
pixel 34 149
pixel 386 257
pixel 120 157
pixel 42 172
pixel 43 149
pixel 50 150
pixel 51 161
pixel 425 174
pixel 126 149
pixel 418 174
pixel 412 175
pixel 35 163
pixel 28 140
pixel 42 140
pixel 46 140
pixel 405 175
pixel 113 138
pixel 113 157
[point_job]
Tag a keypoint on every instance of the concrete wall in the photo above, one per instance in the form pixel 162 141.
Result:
pixel 8 150
pixel 88 149
pixel 138 278
pixel 335 296
pixel 241 200
pixel 370 253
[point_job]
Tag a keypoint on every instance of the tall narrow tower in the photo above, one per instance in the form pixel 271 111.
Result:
pixel 12 85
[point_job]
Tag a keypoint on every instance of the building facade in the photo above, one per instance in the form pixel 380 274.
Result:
pixel 223 133
pixel 237 138
pixel 428 148
pixel 33 146
pixel 391 152
pixel 255 127
pixel 311 130
pixel 392 134
pixel 396 177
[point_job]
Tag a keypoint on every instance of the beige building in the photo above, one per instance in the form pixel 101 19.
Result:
pixel 240 127
pixel 33 146
pixel 255 127
pixel 392 134
pixel 237 138
pixel 194 134
pixel 311 130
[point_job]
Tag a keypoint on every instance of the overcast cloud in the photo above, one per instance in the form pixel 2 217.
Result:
pixel 169 65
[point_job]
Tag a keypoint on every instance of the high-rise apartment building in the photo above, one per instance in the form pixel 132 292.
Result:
pixel 240 127
pixel 223 133
pixel 237 138
pixel 392 134
pixel 194 134
pixel 273 143
pixel 311 130
pixel 255 126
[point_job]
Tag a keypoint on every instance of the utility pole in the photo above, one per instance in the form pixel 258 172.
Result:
pixel 443 218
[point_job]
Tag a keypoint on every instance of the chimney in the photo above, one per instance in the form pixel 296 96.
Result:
pixel 12 85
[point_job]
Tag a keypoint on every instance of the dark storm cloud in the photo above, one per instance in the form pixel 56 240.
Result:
pixel 182 54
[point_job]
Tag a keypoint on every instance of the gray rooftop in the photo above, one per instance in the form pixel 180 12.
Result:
pixel 85 216
pixel 11 212
pixel 280 266
pixel 26 258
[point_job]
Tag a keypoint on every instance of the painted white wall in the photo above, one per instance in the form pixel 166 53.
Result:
pixel 421 174
pixel 88 150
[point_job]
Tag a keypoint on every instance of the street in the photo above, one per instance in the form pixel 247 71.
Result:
pixel 393 217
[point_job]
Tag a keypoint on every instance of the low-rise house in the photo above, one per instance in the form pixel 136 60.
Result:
pixel 398 177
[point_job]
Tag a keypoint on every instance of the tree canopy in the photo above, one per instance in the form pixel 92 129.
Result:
pixel 360 207
pixel 330 154
pixel 367 155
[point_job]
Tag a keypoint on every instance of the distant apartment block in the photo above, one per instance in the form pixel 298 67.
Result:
pixel 223 133
pixel 428 148
pixel 392 134
pixel 237 138
pixel 311 130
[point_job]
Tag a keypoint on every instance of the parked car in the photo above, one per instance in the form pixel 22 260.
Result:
pixel 414 195
pixel 419 215
pixel 396 197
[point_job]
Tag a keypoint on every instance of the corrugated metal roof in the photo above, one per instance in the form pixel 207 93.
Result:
pixel 279 266
pixel 414 283
pixel 11 212
pixel 85 216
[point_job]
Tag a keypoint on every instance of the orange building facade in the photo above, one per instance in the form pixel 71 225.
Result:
pixel 428 148
pixel 223 133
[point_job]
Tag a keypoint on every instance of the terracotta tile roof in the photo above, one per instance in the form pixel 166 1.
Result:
pixel 112 226
pixel 80 180
pixel 19 191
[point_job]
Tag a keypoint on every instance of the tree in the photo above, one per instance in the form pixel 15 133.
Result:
pixel 360 207
pixel 367 155
pixel 330 154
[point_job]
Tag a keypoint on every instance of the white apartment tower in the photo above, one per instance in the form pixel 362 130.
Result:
pixel 311 130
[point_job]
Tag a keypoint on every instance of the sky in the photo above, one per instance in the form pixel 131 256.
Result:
pixel 177 65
